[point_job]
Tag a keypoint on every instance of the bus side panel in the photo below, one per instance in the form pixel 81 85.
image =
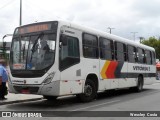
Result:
pixel 104 83
pixel 90 66
pixel 127 80
pixel 150 75
pixel 148 72
pixel 133 74
pixel 121 73
pixel 51 89
pixel 114 74
pixel 73 78
pixel 71 87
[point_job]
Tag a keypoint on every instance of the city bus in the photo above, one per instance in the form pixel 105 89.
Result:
pixel 59 58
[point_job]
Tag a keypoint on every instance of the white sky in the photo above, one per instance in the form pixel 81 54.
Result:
pixel 125 16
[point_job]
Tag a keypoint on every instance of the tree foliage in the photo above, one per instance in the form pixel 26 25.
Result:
pixel 155 43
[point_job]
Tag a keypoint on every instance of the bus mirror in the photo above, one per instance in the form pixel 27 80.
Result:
pixel 63 40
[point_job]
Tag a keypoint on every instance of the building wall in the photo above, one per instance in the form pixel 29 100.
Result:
pixel 8 44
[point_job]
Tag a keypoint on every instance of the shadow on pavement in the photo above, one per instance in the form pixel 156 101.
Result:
pixel 44 104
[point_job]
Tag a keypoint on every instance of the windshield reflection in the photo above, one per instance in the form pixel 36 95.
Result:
pixel 33 52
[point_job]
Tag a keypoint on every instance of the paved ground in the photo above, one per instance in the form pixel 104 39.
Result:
pixel 107 104
pixel 16 98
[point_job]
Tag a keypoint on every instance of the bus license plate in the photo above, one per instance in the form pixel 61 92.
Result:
pixel 25 91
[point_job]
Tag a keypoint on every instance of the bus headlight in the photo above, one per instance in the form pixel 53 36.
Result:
pixel 49 78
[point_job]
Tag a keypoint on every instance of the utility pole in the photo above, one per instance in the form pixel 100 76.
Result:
pixel 20 17
pixel 110 29
pixel 134 35
pixel 141 38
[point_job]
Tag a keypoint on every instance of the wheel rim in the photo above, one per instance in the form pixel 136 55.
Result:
pixel 140 85
pixel 88 90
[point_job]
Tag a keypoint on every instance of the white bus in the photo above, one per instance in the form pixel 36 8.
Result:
pixel 59 58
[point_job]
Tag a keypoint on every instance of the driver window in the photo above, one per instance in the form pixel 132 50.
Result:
pixel 69 51
pixel 71 48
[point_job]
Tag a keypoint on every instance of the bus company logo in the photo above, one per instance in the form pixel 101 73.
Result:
pixel 141 68
pixel 18 81
pixel 6 114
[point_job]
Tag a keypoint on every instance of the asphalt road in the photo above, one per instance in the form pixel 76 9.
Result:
pixel 121 100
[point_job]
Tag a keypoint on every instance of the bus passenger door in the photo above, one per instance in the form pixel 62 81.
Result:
pixel 69 62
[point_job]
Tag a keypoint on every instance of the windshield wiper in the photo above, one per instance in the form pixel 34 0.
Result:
pixel 34 45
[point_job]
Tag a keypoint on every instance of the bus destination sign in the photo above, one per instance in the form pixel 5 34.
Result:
pixel 33 28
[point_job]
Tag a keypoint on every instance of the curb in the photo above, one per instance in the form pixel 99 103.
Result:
pixel 19 101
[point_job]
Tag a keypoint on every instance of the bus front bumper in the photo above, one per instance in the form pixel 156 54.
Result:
pixel 43 89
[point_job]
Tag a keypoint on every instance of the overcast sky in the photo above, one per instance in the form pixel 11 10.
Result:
pixel 126 16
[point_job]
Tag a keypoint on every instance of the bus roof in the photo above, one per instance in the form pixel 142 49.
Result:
pixel 98 33
pixel 104 34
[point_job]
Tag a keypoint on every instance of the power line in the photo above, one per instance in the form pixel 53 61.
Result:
pixel 42 10
pixel 8 3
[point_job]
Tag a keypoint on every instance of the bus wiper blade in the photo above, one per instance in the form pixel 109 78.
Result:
pixel 34 45
pixel 36 41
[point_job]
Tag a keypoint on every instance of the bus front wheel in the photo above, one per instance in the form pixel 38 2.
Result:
pixel 89 92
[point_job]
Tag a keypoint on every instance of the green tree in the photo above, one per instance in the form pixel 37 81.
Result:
pixel 155 43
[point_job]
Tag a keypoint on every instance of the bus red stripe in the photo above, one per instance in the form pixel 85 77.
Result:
pixel 111 69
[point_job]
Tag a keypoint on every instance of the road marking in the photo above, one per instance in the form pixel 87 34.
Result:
pixel 95 105
pixel 155 83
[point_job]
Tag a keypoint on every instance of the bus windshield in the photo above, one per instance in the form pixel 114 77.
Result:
pixel 33 52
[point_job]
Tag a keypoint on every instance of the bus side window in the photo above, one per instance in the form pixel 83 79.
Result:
pixel 69 52
pixel 106 49
pixel 120 51
pixel 125 52
pixel 148 57
pixel 140 55
pixel 90 46
pixel 153 58
pixel 132 54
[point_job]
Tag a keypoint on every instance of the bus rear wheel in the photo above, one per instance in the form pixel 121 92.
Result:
pixel 49 97
pixel 89 92
pixel 139 86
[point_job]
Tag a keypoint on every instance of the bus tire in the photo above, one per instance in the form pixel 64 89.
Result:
pixel 139 86
pixel 90 92
pixel 49 97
